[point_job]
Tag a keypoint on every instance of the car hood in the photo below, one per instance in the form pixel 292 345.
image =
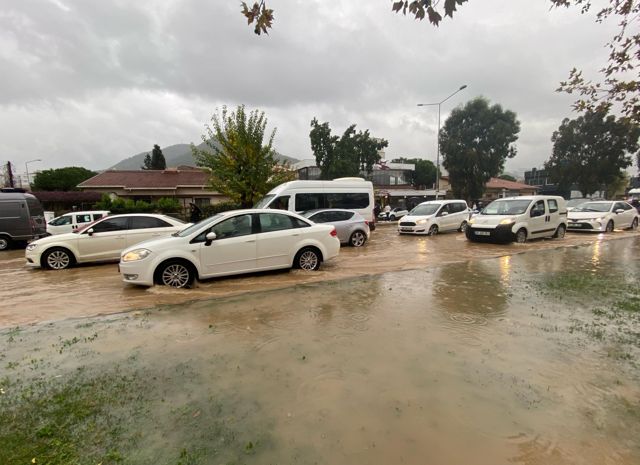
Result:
pixel 66 237
pixel 573 215
pixel 416 217
pixel 156 245
pixel 490 219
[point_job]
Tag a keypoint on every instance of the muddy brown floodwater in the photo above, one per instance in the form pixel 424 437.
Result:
pixel 527 359
pixel 32 295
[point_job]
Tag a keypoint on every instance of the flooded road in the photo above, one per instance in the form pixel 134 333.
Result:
pixel 33 295
pixel 527 359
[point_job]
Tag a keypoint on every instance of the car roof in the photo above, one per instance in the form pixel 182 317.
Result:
pixel 85 212
pixel 329 210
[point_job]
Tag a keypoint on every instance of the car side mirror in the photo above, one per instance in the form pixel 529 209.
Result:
pixel 210 237
pixel 90 231
pixel 620 210
pixel 444 213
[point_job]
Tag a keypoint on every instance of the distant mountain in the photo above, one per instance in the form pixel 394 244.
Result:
pixel 176 155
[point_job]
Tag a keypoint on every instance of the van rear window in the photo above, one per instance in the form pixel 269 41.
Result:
pixel 346 200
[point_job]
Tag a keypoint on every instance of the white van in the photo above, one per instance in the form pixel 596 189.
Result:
pixel 70 222
pixel 435 216
pixel 519 218
pixel 299 196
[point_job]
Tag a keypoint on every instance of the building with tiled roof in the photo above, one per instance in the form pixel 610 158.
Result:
pixel 187 184
pixel 496 187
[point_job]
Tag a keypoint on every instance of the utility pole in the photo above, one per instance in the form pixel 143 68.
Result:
pixel 10 174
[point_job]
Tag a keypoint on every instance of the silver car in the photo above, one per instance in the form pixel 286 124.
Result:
pixel 351 227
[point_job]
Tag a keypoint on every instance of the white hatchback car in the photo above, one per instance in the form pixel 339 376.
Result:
pixel 101 241
pixel 229 243
pixel 435 216
pixel 603 216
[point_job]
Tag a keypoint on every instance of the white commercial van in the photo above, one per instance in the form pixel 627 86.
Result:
pixel 299 196
pixel 70 222
pixel 519 218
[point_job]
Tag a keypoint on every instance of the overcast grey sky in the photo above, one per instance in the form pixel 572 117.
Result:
pixel 90 82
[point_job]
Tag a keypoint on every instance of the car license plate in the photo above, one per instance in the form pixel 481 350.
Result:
pixel 406 229
pixel 482 233
pixel 575 225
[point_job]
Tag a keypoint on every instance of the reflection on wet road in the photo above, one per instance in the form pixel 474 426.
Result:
pixel 483 362
pixel 37 295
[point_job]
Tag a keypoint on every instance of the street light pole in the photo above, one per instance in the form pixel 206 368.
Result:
pixel 26 168
pixel 439 104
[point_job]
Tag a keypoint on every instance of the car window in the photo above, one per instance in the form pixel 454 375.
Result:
pixel 538 208
pixel 236 226
pixel 270 222
pixel 626 206
pixel 320 217
pixel 97 216
pixel 444 209
pixel 343 216
pixel 83 218
pixel 280 203
pixel 61 221
pixel 111 224
pixel 553 205
pixel 147 222
pixel 309 201
pixel 618 206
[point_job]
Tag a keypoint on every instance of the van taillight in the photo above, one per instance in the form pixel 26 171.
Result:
pixel 333 232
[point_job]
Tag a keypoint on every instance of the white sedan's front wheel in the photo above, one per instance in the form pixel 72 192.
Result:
pixel 176 274
pixel 57 259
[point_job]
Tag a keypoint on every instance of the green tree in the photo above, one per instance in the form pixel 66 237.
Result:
pixel 61 179
pixel 242 166
pixel 591 151
pixel 155 160
pixel 475 142
pixel 350 155
pixel 423 175
pixel 619 83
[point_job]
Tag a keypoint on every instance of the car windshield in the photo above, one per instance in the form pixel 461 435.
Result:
pixel 264 201
pixel 428 209
pixel 195 227
pixel 506 207
pixel 575 202
pixel 594 207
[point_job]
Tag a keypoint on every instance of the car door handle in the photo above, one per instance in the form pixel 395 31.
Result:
pixel 251 240
pixel 119 237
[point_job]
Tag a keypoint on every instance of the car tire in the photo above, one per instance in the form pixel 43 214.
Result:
pixel 308 259
pixel 610 227
pixel 57 258
pixel 175 273
pixel 634 224
pixel 357 239
pixel 463 227
pixel 560 232
pixel 5 242
pixel 521 236
pixel 433 230
pixel 392 218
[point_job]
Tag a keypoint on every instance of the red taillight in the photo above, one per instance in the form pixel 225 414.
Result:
pixel 366 222
pixel 333 232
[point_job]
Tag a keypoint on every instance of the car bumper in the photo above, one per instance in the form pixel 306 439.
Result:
pixel 501 234
pixel 138 272
pixel 332 249
pixel 417 229
pixel 33 259
pixel 586 226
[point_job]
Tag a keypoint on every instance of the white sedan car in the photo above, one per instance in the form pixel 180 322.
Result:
pixel 100 241
pixel 602 216
pixel 229 243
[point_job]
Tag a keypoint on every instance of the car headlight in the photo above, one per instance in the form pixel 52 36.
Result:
pixel 507 221
pixel 422 221
pixel 134 255
pixel 602 218
pixel 471 221
pixel 31 247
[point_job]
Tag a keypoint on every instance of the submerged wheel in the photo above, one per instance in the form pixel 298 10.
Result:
pixel 634 224
pixel 5 242
pixel 57 259
pixel 392 218
pixel 357 239
pixel 176 273
pixel 609 227
pixel 463 227
pixel 559 234
pixel 308 259
pixel 521 236
pixel 433 230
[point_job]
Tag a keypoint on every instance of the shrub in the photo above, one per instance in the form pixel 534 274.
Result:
pixel 220 207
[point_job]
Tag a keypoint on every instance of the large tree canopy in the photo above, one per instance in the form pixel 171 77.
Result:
pixel 475 142
pixel 243 167
pixel 350 155
pixel 61 179
pixel 155 160
pixel 619 77
pixel 591 151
